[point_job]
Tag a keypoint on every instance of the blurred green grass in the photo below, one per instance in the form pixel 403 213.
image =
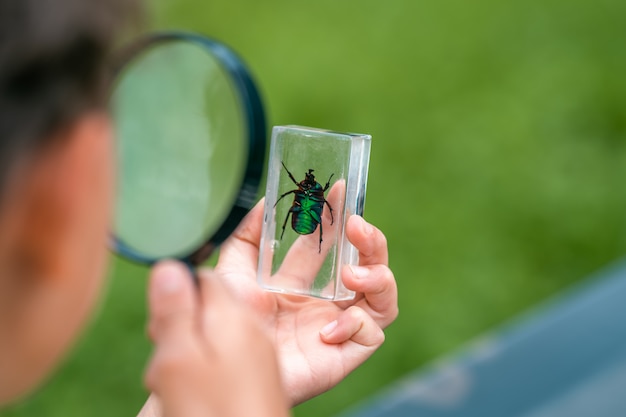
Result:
pixel 497 170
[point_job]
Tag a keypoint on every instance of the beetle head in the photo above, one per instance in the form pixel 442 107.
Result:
pixel 308 181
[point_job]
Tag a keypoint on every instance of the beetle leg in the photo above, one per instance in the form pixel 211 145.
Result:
pixel 332 219
pixel 281 197
pixel 290 175
pixel 285 224
pixel 328 182
pixel 320 247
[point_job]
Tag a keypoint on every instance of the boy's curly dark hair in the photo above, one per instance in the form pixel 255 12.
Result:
pixel 53 66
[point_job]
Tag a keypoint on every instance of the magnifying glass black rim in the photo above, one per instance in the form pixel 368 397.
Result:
pixel 250 100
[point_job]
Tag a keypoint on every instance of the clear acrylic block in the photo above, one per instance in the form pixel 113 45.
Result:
pixel 303 244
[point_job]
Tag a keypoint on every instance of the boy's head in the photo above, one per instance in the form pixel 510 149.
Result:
pixel 55 176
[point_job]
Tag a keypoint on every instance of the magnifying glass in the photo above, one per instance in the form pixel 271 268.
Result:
pixel 191 138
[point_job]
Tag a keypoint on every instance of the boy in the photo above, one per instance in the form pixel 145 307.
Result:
pixel 229 350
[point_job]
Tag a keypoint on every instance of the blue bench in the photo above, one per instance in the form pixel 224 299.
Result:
pixel 566 358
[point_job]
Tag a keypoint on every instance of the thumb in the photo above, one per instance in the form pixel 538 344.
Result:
pixel 173 304
pixel 174 327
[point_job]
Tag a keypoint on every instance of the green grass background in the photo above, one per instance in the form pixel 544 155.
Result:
pixel 497 168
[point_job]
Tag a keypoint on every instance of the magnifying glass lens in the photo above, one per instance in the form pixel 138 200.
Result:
pixel 181 147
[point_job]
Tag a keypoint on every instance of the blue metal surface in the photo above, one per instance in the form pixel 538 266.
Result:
pixel 566 358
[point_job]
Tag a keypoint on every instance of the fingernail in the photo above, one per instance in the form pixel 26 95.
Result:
pixel 359 271
pixel 329 328
pixel 368 229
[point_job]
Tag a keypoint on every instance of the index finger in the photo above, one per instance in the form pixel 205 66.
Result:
pixel 306 248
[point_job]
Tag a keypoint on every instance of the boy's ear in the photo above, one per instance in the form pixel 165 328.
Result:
pixel 44 212
pixel 48 196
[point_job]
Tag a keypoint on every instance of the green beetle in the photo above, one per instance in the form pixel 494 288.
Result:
pixel 308 205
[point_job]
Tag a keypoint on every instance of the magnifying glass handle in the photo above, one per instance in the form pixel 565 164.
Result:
pixel 193 271
pixel 196 258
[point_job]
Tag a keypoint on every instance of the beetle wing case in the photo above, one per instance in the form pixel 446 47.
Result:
pixel 316 180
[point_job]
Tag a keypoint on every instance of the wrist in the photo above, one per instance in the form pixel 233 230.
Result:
pixel 151 408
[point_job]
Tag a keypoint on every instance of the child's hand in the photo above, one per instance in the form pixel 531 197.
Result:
pixel 318 342
pixel 211 358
